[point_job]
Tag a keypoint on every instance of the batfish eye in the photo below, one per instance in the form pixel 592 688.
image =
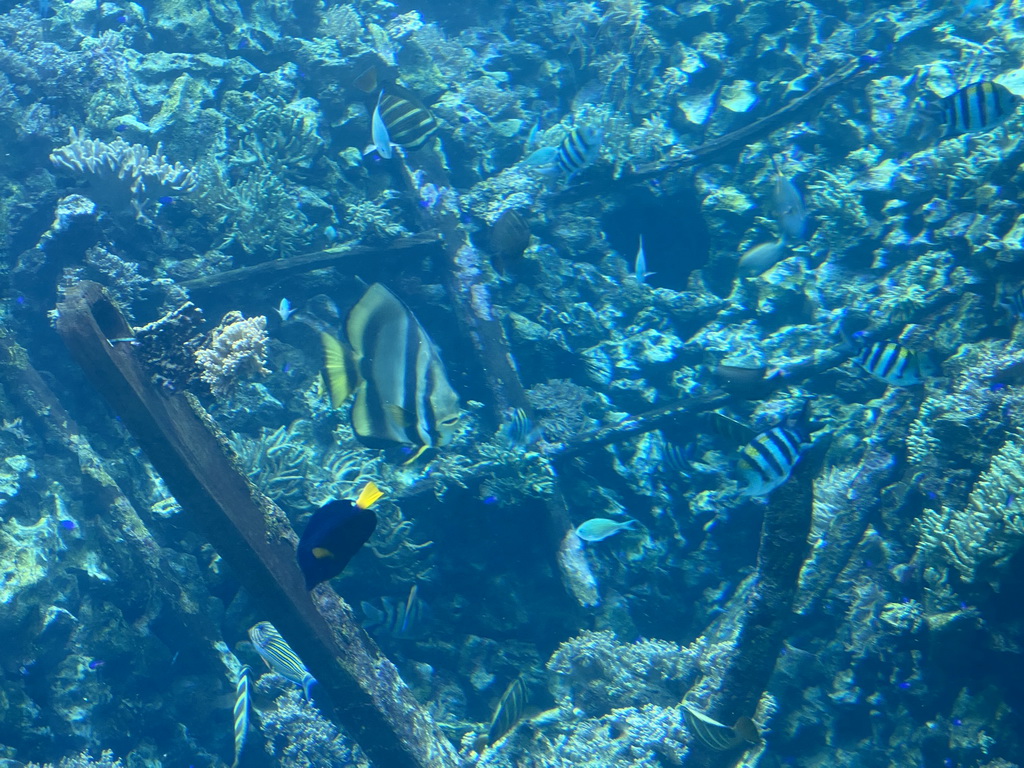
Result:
pixel 450 421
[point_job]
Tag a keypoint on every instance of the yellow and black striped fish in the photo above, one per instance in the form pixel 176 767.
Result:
pixel 977 107
pixel 241 711
pixel 408 122
pixel 402 394
pixel 279 656
pixel 891 362
pixel 716 735
pixel 767 461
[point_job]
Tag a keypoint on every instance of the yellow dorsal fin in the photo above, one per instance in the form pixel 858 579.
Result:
pixel 369 496
pixel 342 377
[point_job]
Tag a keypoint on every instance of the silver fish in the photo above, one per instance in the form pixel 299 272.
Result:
pixel 279 656
pixel 761 258
pixel 789 206
pixel 402 393
pixel 640 265
pixel 601 528
pixel 241 711
pixel 379 133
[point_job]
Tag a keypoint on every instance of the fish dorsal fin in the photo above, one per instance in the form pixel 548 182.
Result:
pixel 369 496
pixel 746 729
pixel 341 372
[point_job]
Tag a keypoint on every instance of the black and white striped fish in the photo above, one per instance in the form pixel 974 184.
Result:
pixel 976 107
pixel 279 656
pixel 519 431
pixel 578 150
pixel 402 394
pixel 767 461
pixel 891 362
pixel 241 711
pixel 397 619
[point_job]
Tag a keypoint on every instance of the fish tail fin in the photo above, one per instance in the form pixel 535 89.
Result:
pixel 307 686
pixel 340 367
pixel 369 496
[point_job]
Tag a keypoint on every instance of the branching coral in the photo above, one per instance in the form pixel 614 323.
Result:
pixel 986 533
pixel 237 347
pixel 276 462
pixel 298 735
pixel 123 176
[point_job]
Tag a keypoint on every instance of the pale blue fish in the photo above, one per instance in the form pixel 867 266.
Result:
pixel 600 528
pixel 242 705
pixel 379 133
pixel 761 258
pixel 640 265
pixel 285 310
pixel 789 206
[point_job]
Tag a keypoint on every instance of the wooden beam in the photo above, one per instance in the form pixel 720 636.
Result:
pixel 268 272
pixel 254 537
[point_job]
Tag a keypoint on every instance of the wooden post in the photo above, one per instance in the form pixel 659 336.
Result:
pixel 254 537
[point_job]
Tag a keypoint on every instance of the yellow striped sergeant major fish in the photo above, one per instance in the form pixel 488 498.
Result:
pixel 402 394
pixel 279 656
pixel 891 362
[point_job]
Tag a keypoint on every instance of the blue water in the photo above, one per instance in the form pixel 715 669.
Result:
pixel 799 194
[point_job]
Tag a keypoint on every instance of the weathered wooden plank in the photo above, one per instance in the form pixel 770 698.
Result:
pixel 254 537
pixel 277 269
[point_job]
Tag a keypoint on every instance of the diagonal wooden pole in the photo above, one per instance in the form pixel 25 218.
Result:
pixel 254 537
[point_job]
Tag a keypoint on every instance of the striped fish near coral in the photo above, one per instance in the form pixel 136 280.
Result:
pixel 578 150
pixel 241 711
pixel 396 619
pixel 402 393
pixel 509 711
pixel 767 461
pixel 519 432
pixel 977 107
pixel 279 656
pixel 891 362
pixel 399 120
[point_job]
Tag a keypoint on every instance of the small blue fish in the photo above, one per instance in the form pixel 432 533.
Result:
pixel 334 534
pixel 600 528
pixel 640 265
pixel 284 309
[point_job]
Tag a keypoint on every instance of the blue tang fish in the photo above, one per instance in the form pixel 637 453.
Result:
pixel 334 534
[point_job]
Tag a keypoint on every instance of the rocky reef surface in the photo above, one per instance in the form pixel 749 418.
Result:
pixel 152 147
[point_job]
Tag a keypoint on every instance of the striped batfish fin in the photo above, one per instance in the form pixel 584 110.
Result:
pixel 409 123
pixel 241 711
pixel 341 372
